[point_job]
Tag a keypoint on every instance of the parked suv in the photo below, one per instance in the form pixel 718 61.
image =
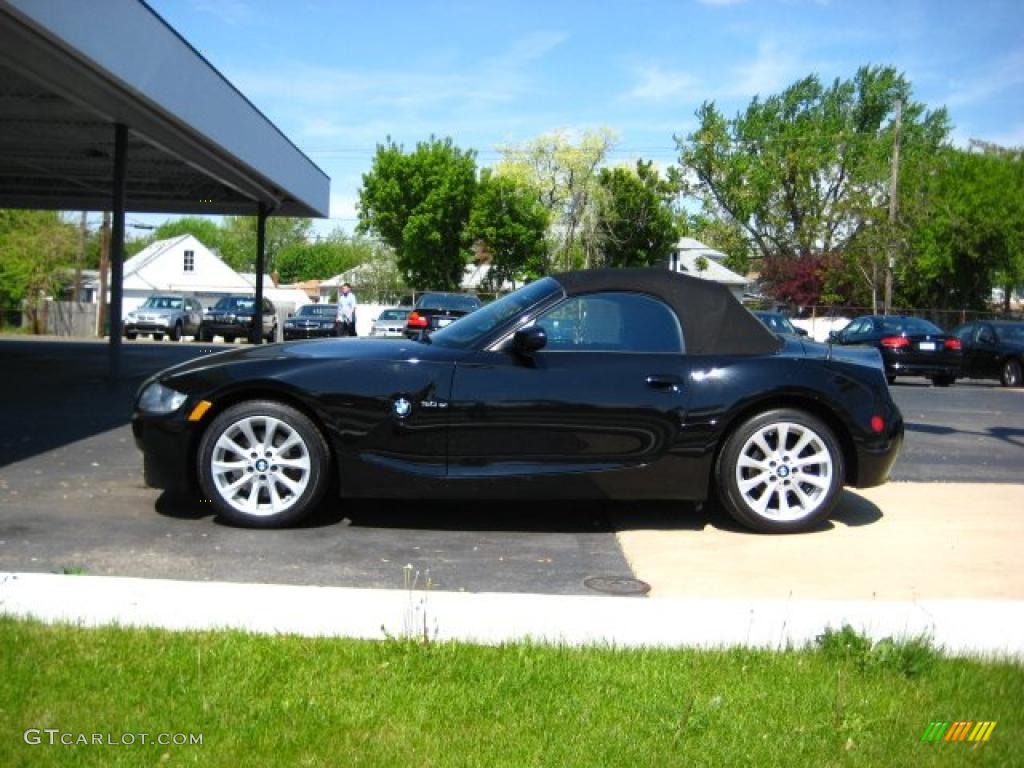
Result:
pixel 234 316
pixel 436 310
pixel 164 314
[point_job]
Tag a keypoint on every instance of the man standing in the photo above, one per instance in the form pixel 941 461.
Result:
pixel 345 325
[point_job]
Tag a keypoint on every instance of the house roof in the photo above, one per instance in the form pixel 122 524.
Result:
pixel 712 269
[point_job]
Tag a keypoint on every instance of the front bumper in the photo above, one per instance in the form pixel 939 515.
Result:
pixel 140 326
pixel 309 333
pixel 167 445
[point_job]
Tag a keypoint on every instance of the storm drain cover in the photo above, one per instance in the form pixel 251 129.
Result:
pixel 617 585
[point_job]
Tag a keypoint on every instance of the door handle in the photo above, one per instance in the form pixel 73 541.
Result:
pixel 664 383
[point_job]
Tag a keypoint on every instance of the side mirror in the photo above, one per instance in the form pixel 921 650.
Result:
pixel 834 337
pixel 529 340
pixel 800 331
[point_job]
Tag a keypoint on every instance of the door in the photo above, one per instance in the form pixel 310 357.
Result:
pixel 984 355
pixel 607 392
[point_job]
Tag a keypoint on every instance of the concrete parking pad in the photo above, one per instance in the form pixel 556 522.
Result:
pixel 902 541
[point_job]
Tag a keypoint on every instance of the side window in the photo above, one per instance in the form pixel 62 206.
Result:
pixel 267 306
pixel 189 262
pixel 612 322
pixel 986 335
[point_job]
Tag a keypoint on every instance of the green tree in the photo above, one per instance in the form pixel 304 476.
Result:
pixel 806 171
pixel 563 175
pixel 37 250
pixel 635 219
pixel 964 228
pixel 723 234
pixel 237 244
pixel 418 203
pixel 511 224
pixel 324 259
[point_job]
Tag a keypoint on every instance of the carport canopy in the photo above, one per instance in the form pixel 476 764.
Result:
pixel 104 106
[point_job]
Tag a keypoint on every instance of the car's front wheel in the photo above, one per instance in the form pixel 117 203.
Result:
pixel 263 464
pixel 943 380
pixel 176 332
pixel 780 471
pixel 1010 373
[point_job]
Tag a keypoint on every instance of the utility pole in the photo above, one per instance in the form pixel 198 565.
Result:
pixel 101 309
pixel 83 232
pixel 893 205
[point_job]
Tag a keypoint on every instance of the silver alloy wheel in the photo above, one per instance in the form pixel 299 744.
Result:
pixel 784 471
pixel 1011 373
pixel 260 465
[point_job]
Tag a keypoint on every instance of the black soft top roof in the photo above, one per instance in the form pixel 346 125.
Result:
pixel 714 323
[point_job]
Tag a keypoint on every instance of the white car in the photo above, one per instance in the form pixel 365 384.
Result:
pixel 390 323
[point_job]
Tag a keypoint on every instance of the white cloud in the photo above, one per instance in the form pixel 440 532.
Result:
pixel 657 84
pixel 769 72
pixel 1007 73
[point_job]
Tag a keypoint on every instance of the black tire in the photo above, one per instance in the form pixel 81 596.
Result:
pixel 313 443
pixel 1009 374
pixel 269 338
pixel 176 332
pixel 204 335
pixel 158 337
pixel 229 339
pixel 890 379
pixel 131 335
pixel 822 494
pixel 943 380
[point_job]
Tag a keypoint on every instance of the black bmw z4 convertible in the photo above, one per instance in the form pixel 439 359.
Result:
pixel 610 384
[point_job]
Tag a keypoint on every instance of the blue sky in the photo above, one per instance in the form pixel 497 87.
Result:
pixel 338 76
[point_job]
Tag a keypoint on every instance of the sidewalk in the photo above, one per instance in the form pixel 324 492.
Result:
pixel 959 626
pixel 897 542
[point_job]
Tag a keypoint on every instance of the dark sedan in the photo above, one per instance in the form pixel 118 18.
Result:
pixel 910 346
pixel 610 384
pixel 437 310
pixel 993 350
pixel 234 316
pixel 313 321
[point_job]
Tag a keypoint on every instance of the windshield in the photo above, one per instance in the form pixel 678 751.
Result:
pixel 236 302
pixel 909 325
pixel 394 314
pixel 162 302
pixel 456 301
pixel 777 323
pixel 318 310
pixel 467 330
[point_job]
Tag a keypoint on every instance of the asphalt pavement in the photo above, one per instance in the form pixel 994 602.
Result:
pixel 72 496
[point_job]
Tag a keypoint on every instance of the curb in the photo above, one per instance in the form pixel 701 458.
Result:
pixel 960 627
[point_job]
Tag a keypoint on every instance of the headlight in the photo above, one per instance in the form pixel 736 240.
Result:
pixel 156 398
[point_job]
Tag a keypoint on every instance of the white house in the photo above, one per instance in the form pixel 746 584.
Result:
pixel 184 265
pixel 179 265
pixel 686 258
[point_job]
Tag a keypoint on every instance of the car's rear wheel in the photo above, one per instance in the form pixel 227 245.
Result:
pixel 176 332
pixel 158 337
pixel 780 471
pixel 891 379
pixel 943 380
pixel 263 464
pixel 229 339
pixel 130 335
pixel 1010 375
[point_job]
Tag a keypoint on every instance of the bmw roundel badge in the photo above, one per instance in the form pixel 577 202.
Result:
pixel 402 407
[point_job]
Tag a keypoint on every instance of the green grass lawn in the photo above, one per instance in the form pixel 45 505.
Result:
pixel 286 700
